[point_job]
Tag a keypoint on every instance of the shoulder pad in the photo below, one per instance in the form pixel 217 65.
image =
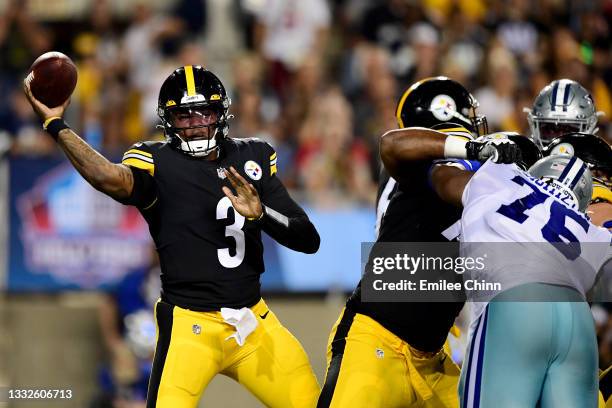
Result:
pixel 140 156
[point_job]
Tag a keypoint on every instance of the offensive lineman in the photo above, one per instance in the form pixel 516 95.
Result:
pixel 390 354
pixel 549 358
pixel 210 318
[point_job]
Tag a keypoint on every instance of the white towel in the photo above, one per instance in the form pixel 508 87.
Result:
pixel 243 320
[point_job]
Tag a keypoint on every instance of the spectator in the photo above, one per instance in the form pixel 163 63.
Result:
pixel 287 33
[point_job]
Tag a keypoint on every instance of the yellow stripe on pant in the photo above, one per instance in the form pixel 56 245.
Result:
pixel 368 366
pixel 193 347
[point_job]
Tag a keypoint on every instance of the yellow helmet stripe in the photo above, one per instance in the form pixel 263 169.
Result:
pixel 400 105
pixel 190 81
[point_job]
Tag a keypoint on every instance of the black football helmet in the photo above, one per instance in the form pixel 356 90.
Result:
pixel 530 153
pixel 437 100
pixel 189 99
pixel 593 150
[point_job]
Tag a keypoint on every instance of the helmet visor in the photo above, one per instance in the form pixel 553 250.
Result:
pixel 551 130
pixel 193 117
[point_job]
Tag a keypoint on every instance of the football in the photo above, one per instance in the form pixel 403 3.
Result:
pixel 53 77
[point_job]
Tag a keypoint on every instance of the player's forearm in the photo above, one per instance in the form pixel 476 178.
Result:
pixel 295 233
pixel 449 183
pixel 107 177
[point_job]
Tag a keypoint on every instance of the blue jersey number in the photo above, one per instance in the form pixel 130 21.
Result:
pixel 555 228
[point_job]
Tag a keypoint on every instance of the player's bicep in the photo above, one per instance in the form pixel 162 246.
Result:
pixel 449 182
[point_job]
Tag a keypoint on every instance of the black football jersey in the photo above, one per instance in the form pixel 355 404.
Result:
pixel 411 211
pixel 210 255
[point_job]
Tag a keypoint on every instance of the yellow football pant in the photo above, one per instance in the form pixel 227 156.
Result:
pixel 368 366
pixel 192 347
pixel 605 388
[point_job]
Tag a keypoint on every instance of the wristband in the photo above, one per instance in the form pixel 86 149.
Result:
pixel 263 213
pixel 455 147
pixel 54 125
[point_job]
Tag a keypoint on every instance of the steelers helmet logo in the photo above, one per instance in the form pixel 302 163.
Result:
pixel 443 107
pixel 253 170
pixel 563 148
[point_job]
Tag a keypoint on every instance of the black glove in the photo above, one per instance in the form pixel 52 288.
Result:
pixel 499 150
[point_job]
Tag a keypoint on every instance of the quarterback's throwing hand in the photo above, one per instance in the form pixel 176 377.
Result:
pixel 42 110
pixel 246 201
pixel 500 150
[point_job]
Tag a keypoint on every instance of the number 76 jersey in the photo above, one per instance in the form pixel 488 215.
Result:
pixel 529 231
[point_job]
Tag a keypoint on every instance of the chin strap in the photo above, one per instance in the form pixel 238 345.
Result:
pixel 187 147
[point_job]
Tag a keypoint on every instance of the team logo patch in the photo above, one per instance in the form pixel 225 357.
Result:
pixel 380 353
pixel 253 170
pixel 196 329
pixel 563 148
pixel 443 107
pixel 221 173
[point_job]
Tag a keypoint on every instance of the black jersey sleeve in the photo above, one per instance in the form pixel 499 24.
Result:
pixel 284 220
pixel 144 191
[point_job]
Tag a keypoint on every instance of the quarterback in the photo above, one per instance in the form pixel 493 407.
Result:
pixel 206 198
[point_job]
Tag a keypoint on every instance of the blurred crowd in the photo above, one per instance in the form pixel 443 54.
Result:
pixel 318 79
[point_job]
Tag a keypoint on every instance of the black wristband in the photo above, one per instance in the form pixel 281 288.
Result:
pixel 55 126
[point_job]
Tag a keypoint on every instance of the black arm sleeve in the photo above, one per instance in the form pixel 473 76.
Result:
pixel 286 221
pixel 144 192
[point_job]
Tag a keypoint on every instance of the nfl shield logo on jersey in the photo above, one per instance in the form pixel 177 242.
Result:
pixel 253 170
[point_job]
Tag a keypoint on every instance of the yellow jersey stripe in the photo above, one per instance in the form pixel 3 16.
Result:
pixel 142 152
pixel 273 169
pixel 273 156
pixel 455 129
pixel 140 164
pixel 190 80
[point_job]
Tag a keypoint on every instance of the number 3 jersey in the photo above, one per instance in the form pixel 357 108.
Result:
pixel 528 231
pixel 210 255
